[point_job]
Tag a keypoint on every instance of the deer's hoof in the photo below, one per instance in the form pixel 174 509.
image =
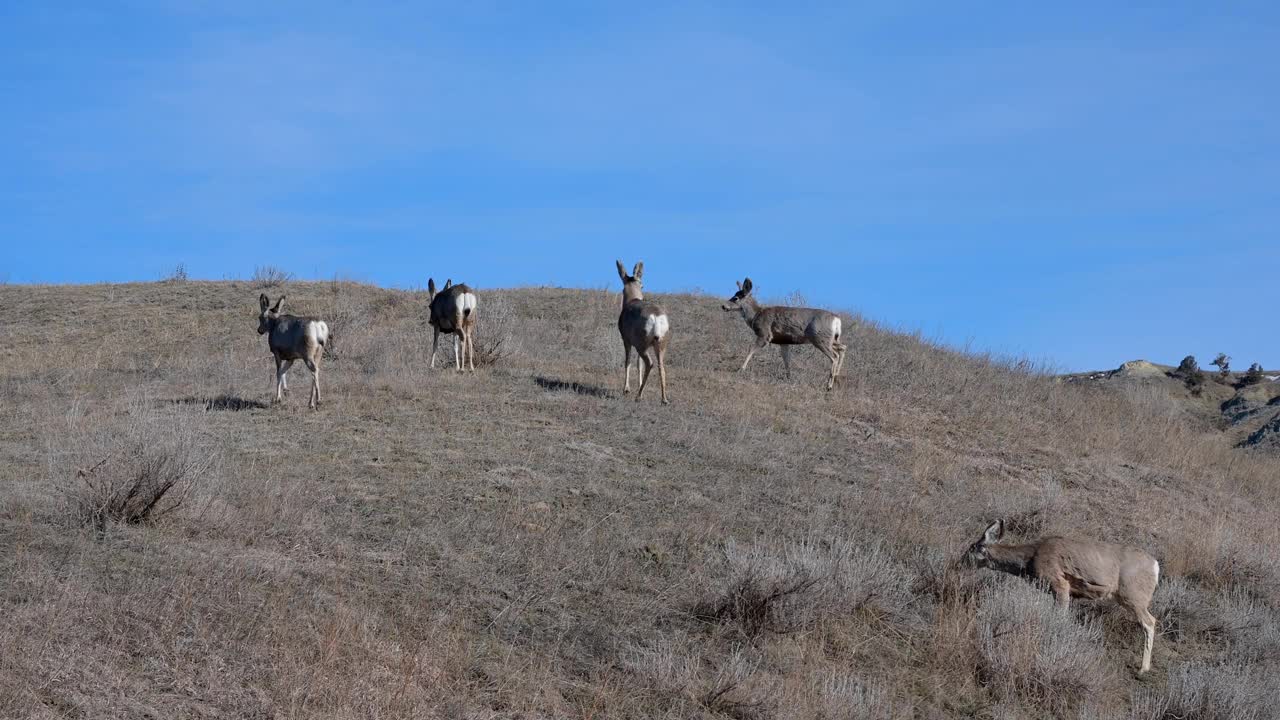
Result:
pixel 666 401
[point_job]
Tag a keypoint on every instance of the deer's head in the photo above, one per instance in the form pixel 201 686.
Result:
pixel 735 302
pixel 632 288
pixel 269 314
pixel 977 555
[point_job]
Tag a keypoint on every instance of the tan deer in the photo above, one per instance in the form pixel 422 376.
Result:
pixel 644 326
pixel 453 312
pixel 1077 567
pixel 293 338
pixel 787 326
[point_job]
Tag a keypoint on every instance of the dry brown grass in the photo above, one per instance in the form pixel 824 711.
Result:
pixel 523 542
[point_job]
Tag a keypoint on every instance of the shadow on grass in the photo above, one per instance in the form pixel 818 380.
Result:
pixel 562 386
pixel 221 403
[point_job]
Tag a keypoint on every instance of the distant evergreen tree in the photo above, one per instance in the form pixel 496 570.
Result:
pixel 1223 362
pixel 1190 373
pixel 1253 376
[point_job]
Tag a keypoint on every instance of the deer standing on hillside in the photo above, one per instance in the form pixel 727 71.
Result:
pixel 1077 567
pixel 293 338
pixel 643 325
pixel 453 311
pixel 787 326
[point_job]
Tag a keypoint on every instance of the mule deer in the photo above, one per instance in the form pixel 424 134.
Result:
pixel 453 312
pixel 787 326
pixel 293 338
pixel 1078 567
pixel 643 325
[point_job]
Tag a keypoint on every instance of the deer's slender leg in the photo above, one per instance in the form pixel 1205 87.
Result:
pixel 760 343
pixel 284 376
pixel 471 347
pixel 282 367
pixel 644 376
pixel 626 368
pixel 314 399
pixel 831 355
pixel 1148 622
pixel 786 359
pixel 840 349
pixel 1062 595
pixel 457 359
pixel 662 373
pixel 435 342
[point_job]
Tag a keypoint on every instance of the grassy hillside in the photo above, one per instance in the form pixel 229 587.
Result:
pixel 524 542
pixel 1246 410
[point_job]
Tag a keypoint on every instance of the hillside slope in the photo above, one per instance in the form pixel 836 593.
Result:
pixel 524 542
pixel 1247 413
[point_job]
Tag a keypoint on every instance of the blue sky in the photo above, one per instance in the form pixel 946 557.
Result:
pixel 1083 184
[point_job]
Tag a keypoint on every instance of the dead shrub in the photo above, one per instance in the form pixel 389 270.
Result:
pixel 1252 628
pixel 138 473
pixel 789 587
pixel 1214 691
pixel 686 680
pixel 1029 648
pixel 265 276
pixel 496 338
pixel 840 694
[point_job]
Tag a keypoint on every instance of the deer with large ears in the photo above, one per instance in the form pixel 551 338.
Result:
pixel 787 326
pixel 644 326
pixel 453 312
pixel 1078 567
pixel 293 338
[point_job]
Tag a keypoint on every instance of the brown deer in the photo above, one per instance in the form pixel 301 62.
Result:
pixel 453 312
pixel 293 338
pixel 1077 567
pixel 787 326
pixel 643 325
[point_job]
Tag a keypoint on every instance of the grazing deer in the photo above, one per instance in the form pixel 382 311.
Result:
pixel 787 326
pixel 453 311
pixel 643 325
pixel 293 338
pixel 1078 567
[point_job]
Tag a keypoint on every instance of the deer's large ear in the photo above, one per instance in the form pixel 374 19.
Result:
pixel 746 285
pixel 739 284
pixel 264 302
pixel 279 304
pixel 431 286
pixel 448 284
pixel 638 270
pixel 994 532
pixel 622 271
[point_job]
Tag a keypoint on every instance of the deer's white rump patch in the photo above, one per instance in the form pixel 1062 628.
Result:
pixel 466 303
pixel 835 326
pixel 656 326
pixel 318 332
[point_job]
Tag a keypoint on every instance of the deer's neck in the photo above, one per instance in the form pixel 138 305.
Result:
pixel 631 294
pixel 1013 559
pixel 750 309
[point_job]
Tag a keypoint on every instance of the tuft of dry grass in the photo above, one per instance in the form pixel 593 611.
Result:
pixel 1033 651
